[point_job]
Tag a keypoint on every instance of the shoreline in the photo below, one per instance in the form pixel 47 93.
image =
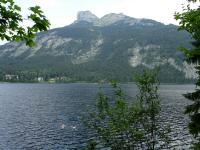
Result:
pixel 87 82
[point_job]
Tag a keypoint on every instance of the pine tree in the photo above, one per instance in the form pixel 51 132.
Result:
pixel 190 21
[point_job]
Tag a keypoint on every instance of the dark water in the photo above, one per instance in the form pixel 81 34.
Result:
pixel 47 116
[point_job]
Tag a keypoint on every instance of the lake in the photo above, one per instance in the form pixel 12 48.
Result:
pixel 48 116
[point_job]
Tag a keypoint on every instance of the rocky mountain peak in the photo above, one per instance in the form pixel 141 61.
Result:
pixel 112 18
pixel 86 16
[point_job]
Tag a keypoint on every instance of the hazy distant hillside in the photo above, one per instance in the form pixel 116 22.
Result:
pixel 92 49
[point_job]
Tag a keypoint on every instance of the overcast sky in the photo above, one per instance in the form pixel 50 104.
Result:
pixel 63 12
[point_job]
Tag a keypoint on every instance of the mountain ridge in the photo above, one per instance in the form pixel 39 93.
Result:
pixel 110 18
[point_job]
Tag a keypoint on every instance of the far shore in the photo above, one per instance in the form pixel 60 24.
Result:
pixel 87 82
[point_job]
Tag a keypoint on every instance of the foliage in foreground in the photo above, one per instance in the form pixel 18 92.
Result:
pixel 121 125
pixel 190 21
pixel 11 20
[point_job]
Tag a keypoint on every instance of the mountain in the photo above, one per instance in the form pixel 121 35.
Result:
pixel 86 16
pixel 115 46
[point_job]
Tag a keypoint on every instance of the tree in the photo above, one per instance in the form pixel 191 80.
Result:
pixel 150 108
pixel 11 20
pixel 125 126
pixel 189 20
pixel 114 121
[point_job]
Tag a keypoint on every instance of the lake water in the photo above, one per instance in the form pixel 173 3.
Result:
pixel 48 116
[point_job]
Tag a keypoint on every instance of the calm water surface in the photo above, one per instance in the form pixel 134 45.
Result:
pixel 48 116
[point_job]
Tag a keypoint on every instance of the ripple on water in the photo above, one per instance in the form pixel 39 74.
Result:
pixel 47 116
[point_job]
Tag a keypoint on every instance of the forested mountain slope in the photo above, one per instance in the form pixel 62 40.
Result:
pixel 95 49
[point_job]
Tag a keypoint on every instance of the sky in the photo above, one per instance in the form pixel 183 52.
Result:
pixel 64 12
